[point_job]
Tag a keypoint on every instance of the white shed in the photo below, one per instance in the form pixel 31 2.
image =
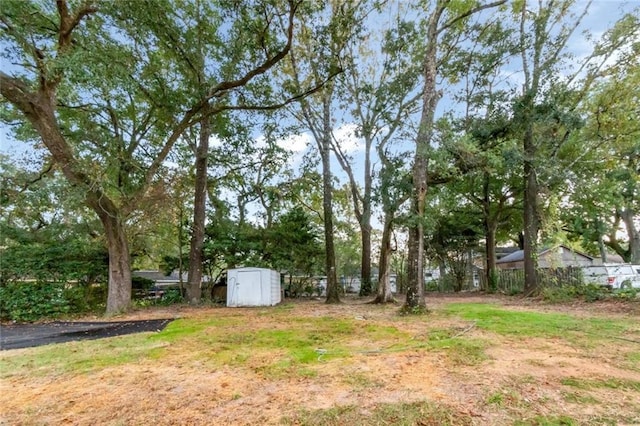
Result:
pixel 253 287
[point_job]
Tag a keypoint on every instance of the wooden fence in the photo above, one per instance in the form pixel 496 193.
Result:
pixel 511 281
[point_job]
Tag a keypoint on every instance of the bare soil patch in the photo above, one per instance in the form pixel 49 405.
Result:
pixel 520 379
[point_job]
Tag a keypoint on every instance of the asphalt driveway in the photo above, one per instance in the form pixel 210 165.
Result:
pixel 16 336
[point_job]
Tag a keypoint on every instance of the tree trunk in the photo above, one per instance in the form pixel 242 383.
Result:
pixel 430 97
pixel 39 109
pixel 384 294
pixel 633 234
pixel 333 291
pixel 601 246
pixel 531 225
pixel 415 287
pixel 180 250
pixel 119 288
pixel 119 295
pixel 470 269
pixel 365 267
pixel 194 288
pixel 365 226
pixel 490 252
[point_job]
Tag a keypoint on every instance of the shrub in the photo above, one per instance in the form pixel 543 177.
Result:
pixel 558 294
pixel 33 301
pixel 589 292
pixel 627 293
pixel 593 292
pixel 171 296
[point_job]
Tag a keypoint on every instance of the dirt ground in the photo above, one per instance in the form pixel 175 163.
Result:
pixel 523 377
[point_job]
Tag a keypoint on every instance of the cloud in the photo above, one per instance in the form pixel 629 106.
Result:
pixel 215 141
pixel 295 143
pixel 347 139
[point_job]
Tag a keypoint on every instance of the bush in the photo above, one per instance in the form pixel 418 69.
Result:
pixel 627 293
pixel 171 296
pixel 588 292
pixel 34 301
pixel 593 292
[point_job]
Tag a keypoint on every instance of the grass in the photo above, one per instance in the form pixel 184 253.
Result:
pixel 78 357
pixel 400 414
pixel 461 351
pixel 535 324
pixel 610 383
pixel 632 361
pixel 288 350
pixel 360 381
pixel 548 421
pixel 579 398
pixel 506 398
pixel 280 344
pixel 300 343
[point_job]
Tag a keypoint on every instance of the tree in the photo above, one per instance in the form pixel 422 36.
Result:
pixel 494 186
pixel 549 101
pixel 605 196
pixel 540 51
pixel 235 60
pixel 453 235
pixel 444 19
pixel 382 97
pixel 107 108
pixel 393 192
pixel 47 52
pixel 293 244
pixel 323 50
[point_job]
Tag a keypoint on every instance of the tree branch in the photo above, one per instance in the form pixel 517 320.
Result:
pixel 40 176
pixel 276 106
pixel 469 13
pixel 16 92
pixel 224 86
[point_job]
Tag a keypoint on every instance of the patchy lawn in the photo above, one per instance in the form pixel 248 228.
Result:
pixel 471 360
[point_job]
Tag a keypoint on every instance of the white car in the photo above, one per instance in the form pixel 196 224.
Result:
pixel 614 275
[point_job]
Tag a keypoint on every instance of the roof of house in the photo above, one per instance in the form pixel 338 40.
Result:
pixel 518 256
pixel 505 251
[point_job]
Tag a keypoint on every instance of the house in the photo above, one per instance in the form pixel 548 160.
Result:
pixel 611 258
pixel 504 251
pixel 555 257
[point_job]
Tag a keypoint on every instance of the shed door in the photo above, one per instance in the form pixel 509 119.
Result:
pixel 249 288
